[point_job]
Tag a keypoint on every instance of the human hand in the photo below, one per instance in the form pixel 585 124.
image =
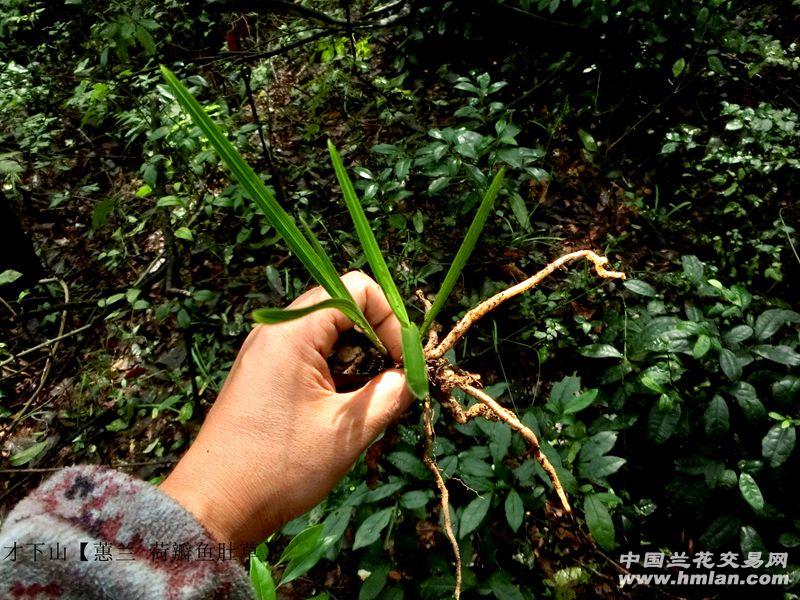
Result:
pixel 279 437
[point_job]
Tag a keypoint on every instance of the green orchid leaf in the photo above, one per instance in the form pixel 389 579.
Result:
pixel 314 241
pixel 467 246
pixel 309 253
pixel 367 238
pixel 270 316
pixel 414 361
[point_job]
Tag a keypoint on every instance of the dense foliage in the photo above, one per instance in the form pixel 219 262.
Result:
pixel 664 134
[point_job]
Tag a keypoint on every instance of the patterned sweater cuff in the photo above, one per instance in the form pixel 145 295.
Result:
pixel 90 531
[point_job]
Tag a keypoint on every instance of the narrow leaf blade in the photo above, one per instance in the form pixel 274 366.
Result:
pixel 314 241
pixel 252 184
pixel 271 316
pixel 342 291
pixel 467 246
pixel 367 238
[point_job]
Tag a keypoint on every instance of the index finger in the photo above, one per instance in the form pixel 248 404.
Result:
pixel 326 325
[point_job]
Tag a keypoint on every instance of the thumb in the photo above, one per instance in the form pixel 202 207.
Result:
pixel 379 402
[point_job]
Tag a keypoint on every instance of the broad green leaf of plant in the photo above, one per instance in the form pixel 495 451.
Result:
pixel 588 141
pixel 693 268
pixel 184 233
pixel 773 319
pixel 642 288
pixel 730 365
pixel 414 499
pixel 9 275
pixel 514 510
pixel 370 530
pixel 737 335
pixel 662 422
pixel 335 525
pixel 562 392
pixel 383 491
pixel 102 210
pixel 464 252
pixel 751 541
pixel 503 588
pixel 318 265
pixel 303 543
pixel 374 584
pixel 473 514
pixel 779 354
pixel 600 351
pixel 413 358
pixel 578 403
pixel 408 463
pixel 597 445
pixel 303 552
pixel 716 417
pixel 299 566
pixel 599 522
pixel 778 444
pixel 786 389
pixel 747 398
pixel 721 531
pixel 261 578
pixel 750 491
pixel 701 346
pixel 678 66
pixel 499 440
pixel 600 467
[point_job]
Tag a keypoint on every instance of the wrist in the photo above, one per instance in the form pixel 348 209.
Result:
pixel 220 500
pixel 196 502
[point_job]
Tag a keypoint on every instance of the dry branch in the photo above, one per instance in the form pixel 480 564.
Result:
pixel 44 344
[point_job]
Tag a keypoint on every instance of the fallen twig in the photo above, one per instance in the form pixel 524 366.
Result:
pixel 44 344
pixel 8 306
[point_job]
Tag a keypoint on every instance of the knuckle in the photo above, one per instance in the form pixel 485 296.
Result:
pixel 356 280
pixel 309 297
pixel 356 275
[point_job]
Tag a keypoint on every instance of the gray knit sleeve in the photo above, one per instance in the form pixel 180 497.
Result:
pixel 92 532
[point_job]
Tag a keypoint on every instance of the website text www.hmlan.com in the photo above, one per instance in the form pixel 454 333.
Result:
pixel 708 578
